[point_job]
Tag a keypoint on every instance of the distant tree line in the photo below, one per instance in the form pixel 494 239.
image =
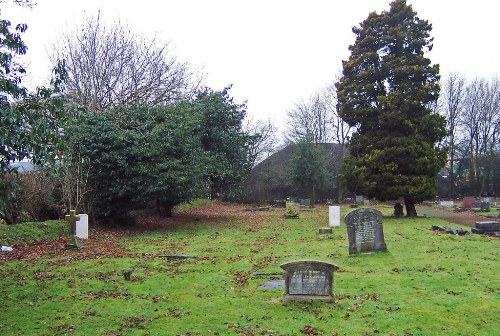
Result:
pixel 472 111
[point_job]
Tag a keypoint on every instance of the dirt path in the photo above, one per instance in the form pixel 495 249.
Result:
pixel 465 218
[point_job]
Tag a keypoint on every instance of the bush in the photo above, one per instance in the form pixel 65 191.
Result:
pixel 34 197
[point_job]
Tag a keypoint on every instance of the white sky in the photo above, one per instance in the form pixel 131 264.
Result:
pixel 274 52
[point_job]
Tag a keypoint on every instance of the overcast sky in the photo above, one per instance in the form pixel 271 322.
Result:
pixel 274 52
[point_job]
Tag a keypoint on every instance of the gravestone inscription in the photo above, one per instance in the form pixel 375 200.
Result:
pixel 364 231
pixel 308 280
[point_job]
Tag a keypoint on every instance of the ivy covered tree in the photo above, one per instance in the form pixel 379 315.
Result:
pixel 385 91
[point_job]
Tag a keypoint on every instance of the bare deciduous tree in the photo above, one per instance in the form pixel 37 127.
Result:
pixel 479 125
pixel 308 118
pixel 340 129
pixel 109 66
pixel 265 139
pixel 451 103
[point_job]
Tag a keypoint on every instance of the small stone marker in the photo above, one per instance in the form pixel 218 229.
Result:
pixel 308 280
pixel 334 216
pixel 292 210
pixel 325 233
pixel 364 230
pixel 272 284
pixel 72 241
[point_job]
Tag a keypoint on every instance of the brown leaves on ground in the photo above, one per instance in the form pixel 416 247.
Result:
pixel 103 240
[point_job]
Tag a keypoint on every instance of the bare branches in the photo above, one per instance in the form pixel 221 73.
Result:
pixel 265 140
pixel 110 66
pixel 308 118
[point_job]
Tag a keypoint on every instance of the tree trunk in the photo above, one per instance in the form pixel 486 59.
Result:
pixel 410 208
pixel 340 192
pixel 166 210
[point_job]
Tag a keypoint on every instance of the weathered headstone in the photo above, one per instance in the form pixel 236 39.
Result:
pixel 359 199
pixel 487 227
pixel 292 210
pixel 398 210
pixel 306 202
pixel 334 216
pixel 364 231
pixel 485 206
pixel 308 280
pixel 366 202
pixel 467 202
pixel 72 240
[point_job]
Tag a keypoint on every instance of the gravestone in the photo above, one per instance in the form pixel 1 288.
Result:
pixel 82 226
pixel 326 232
pixel 308 280
pixel 292 210
pixel 485 206
pixel 306 202
pixel 446 204
pixel 467 202
pixel 334 216
pixel 272 284
pixel 72 241
pixel 366 202
pixel 364 231
pixel 359 199
pixel 398 210
pixel 490 228
pixel 476 205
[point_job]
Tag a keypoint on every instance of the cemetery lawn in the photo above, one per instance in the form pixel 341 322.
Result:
pixel 429 283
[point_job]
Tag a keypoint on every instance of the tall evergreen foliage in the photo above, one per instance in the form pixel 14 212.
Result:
pixel 386 89
pixel 308 168
pixel 144 157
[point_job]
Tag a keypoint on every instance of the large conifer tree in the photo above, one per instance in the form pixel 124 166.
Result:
pixel 385 91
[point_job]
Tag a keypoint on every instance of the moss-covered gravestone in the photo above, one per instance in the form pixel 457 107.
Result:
pixel 292 210
pixel 72 241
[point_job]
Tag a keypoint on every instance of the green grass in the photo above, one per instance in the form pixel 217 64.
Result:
pixel 32 232
pixel 186 206
pixel 427 284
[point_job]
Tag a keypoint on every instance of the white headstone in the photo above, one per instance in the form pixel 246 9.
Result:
pixel 334 216
pixel 446 203
pixel 82 227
